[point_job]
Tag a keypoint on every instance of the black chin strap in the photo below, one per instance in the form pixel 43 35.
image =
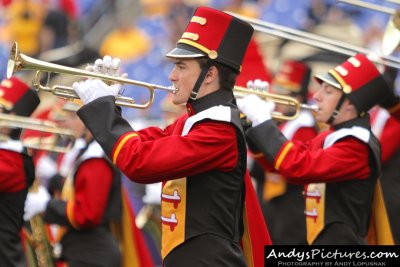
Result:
pixel 336 111
pixel 202 76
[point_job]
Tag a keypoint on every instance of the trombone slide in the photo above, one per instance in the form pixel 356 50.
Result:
pixel 43 126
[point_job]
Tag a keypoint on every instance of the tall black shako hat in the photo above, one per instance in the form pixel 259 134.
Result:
pixel 216 35
pixel 359 80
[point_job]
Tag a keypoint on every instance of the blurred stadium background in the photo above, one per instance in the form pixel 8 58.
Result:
pixel 140 32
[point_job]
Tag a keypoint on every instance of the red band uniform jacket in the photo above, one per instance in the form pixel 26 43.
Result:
pixel 16 176
pixel 201 158
pixel 92 199
pixel 340 168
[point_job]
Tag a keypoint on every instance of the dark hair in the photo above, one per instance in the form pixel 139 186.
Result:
pixel 227 76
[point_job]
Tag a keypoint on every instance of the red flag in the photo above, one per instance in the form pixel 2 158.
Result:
pixel 135 252
pixel 255 235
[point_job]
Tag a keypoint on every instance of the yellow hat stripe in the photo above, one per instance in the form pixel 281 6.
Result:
pixel 211 53
pixel 6 104
pixel 194 44
pixel 283 155
pixel 346 88
pixel 190 35
pixel 121 144
pixel 199 20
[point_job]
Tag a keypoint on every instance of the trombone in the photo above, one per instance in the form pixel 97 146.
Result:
pixel 316 40
pixel 240 92
pixel 19 61
pixel 391 35
pixel 43 126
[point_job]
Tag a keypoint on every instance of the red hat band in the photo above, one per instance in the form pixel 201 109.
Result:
pixel 202 32
pixel 360 80
pixel 216 35
pixel 354 73
pixel 16 96
pixel 11 90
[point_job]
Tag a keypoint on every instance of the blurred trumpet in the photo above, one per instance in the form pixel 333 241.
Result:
pixel 48 143
pixel 240 92
pixel 19 61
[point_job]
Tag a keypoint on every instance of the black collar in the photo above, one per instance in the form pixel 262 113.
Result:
pixel 219 97
pixel 363 122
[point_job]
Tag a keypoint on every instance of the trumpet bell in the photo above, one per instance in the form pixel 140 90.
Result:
pixel 12 61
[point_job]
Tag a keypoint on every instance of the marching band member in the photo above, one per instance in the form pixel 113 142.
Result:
pixel 90 201
pixel 341 165
pixel 16 170
pixel 201 157
pixel 283 202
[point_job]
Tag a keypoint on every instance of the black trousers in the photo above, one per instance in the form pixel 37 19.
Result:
pixel 205 251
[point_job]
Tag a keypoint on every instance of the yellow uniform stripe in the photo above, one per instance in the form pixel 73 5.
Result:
pixel 283 155
pixel 258 155
pixel 121 144
pixel 70 214
pixel 395 108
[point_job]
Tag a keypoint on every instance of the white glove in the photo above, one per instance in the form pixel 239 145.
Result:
pixel 153 194
pixel 258 85
pixel 36 202
pixel 255 109
pixel 93 89
pixel 46 168
pixel 108 66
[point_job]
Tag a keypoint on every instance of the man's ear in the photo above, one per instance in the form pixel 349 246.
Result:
pixel 212 74
pixel 349 107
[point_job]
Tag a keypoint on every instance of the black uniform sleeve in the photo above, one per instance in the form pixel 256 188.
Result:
pixel 56 212
pixel 103 118
pixel 265 138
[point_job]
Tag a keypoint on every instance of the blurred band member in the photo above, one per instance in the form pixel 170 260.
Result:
pixel 341 165
pixel 91 199
pixel 283 201
pixel 16 170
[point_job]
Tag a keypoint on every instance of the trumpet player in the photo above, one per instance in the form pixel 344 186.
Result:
pixel 16 170
pixel 201 157
pixel 90 201
pixel 341 165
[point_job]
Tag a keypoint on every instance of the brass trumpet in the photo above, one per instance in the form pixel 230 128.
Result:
pixel 239 92
pixel 19 61
pixel 44 126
